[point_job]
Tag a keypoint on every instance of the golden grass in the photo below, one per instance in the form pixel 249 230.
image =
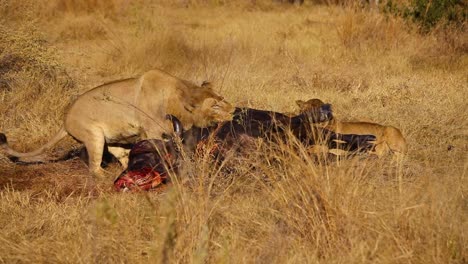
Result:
pixel 278 204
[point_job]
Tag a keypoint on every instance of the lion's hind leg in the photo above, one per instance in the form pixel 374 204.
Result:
pixel 94 142
pixel 398 156
pixel 381 149
pixel 121 154
pixel 396 142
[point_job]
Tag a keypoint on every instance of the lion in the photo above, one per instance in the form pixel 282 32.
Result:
pixel 125 111
pixel 388 138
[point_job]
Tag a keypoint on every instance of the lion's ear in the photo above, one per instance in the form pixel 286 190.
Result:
pixel 300 103
pixel 207 84
pixel 316 102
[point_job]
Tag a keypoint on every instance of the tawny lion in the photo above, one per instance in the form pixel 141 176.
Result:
pixel 128 110
pixel 388 138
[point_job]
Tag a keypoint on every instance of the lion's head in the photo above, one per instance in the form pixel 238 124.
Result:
pixel 309 104
pixel 213 111
pixel 315 109
pixel 206 106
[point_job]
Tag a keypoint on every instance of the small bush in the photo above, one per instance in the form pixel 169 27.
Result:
pixel 429 13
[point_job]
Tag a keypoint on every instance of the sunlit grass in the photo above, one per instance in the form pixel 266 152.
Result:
pixel 278 204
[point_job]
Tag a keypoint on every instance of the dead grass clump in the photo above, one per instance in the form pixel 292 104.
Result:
pixel 108 7
pixel 35 109
pixel 335 2
pixel 366 33
pixel 149 53
pixel 83 27
pixel 243 4
pixel 40 224
pixel 362 30
pixel 24 50
pixel 292 208
pixel 14 11
pixel 34 85
pixel 443 48
pixel 165 49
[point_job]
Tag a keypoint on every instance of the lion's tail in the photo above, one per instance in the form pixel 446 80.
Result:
pixel 33 154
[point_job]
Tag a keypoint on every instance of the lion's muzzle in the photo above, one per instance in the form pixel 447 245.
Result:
pixel 326 113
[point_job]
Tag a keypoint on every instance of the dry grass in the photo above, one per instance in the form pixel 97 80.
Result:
pixel 279 204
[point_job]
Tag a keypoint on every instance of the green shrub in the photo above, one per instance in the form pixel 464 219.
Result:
pixel 429 13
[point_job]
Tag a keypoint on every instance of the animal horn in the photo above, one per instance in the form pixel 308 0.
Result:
pixel 3 139
pixel 176 124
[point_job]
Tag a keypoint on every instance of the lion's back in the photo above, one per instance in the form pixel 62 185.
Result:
pixel 360 128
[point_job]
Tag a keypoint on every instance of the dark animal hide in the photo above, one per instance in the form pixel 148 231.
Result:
pixel 150 162
pixel 351 142
pixel 248 122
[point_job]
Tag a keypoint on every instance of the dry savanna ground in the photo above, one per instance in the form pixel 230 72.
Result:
pixel 275 205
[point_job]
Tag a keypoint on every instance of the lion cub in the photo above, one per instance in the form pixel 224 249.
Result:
pixel 388 138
